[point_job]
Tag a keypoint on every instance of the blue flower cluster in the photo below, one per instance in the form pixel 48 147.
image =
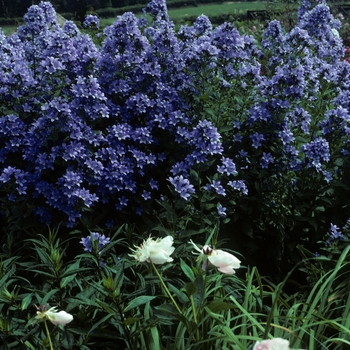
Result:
pixel 91 20
pixel 287 125
pixel 113 126
pixel 83 126
pixel 88 241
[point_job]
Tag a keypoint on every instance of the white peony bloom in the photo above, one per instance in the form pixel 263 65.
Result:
pixel 223 261
pixel 157 251
pixel 272 344
pixel 61 317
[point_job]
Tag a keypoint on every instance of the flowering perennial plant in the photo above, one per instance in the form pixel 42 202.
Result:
pixel 202 119
pixel 87 126
pixel 181 131
pixel 124 295
pixel 290 147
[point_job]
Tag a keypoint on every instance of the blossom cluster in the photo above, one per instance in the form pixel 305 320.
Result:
pixel 88 242
pixel 91 20
pixel 289 91
pixel 85 126
pixel 112 127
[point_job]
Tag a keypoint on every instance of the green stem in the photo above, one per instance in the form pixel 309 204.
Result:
pixel 125 327
pixel 166 288
pixel 48 335
pixel 195 317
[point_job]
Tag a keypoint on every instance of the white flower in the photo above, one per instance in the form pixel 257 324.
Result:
pixel 223 261
pixel 55 317
pixel 272 344
pixel 157 251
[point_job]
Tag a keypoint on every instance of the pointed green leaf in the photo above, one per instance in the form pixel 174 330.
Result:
pixel 190 288
pixel 143 299
pixel 219 305
pixel 26 301
pixel 66 280
pixel 187 270
pixel 46 298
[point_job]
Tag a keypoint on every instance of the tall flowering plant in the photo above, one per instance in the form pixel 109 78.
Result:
pixel 201 120
pixel 98 128
pixel 191 127
pixel 161 288
pixel 279 107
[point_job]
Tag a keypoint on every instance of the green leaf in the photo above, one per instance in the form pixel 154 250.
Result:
pixel 199 295
pixel 143 299
pixel 29 346
pixel 99 288
pixel 9 273
pixel 41 272
pixel 218 306
pixel 131 320
pixel 169 312
pixel 180 295
pixel 106 307
pixel 26 301
pixel 225 128
pixel 67 280
pixel 45 259
pixel 86 296
pixel 67 340
pixel 187 270
pixel 106 334
pixel 99 333
pixel 46 298
pixel 72 269
pixel 190 288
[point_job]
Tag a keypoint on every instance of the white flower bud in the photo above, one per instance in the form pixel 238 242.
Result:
pixel 61 317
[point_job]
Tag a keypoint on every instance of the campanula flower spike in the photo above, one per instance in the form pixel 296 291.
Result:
pixel 223 261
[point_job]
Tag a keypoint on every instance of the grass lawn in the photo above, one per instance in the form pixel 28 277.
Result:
pixel 230 7
pixel 215 9
pixel 176 15
pixel 8 29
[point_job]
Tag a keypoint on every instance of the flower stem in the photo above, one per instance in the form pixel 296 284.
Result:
pixel 48 335
pixel 195 317
pixel 166 288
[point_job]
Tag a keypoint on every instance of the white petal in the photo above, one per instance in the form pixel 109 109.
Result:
pixel 195 246
pixel 160 250
pixel 272 344
pixel 220 259
pixel 228 270
pixel 144 253
pixel 160 257
pixel 167 241
pixel 61 317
